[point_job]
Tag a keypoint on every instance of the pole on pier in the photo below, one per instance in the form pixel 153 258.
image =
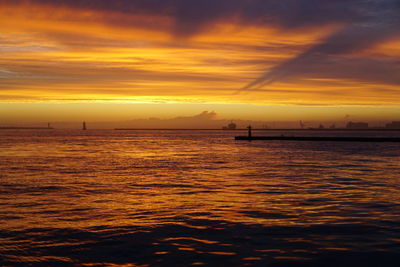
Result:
pixel 249 132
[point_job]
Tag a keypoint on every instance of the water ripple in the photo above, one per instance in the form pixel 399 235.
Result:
pixel 104 198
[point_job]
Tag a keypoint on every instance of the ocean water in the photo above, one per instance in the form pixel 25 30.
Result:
pixel 192 198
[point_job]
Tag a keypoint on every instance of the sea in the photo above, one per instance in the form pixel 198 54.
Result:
pixel 197 198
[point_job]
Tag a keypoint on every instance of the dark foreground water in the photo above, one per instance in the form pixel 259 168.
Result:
pixel 165 198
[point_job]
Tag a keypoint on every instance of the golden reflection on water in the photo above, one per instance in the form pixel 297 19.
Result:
pixel 144 181
pixel 138 180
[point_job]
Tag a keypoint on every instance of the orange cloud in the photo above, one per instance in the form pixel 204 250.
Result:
pixel 79 52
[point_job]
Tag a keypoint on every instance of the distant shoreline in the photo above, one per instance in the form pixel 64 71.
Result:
pixel 181 129
pixel 26 128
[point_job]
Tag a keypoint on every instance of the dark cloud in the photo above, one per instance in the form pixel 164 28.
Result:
pixel 381 22
pixel 350 39
pixel 192 16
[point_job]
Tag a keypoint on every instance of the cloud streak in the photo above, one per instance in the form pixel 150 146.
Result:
pixel 193 16
pixel 380 24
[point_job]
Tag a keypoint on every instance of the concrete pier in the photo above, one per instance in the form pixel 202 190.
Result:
pixel 330 139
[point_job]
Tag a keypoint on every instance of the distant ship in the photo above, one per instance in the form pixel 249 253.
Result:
pixel 231 126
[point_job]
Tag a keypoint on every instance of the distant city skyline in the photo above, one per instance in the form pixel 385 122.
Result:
pixel 204 120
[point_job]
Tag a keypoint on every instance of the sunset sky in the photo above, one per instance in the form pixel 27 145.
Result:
pixel 243 59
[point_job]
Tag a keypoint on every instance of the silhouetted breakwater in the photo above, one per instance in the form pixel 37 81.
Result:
pixel 261 129
pixel 313 138
pixel 171 129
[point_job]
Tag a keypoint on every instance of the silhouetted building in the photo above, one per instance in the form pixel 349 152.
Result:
pixel 393 125
pixel 357 125
pixel 231 126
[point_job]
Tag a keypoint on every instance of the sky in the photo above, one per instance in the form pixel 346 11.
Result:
pixel 244 59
